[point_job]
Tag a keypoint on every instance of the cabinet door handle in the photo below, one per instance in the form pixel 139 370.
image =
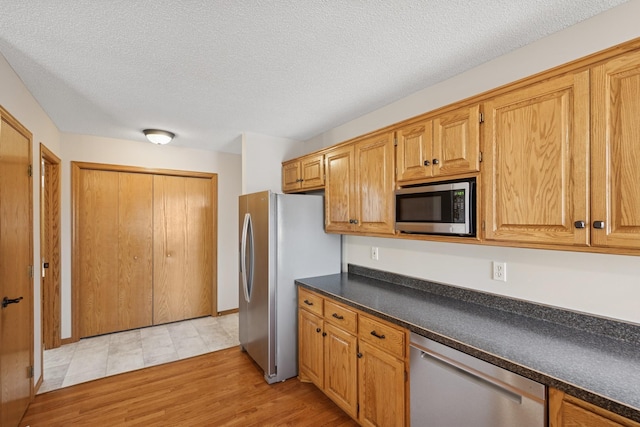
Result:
pixel 324 334
pixel 427 163
pixel 598 224
pixel 359 355
pixel 435 161
pixel 308 302
pixel 376 335
pixel 337 316
pixel 355 221
pixel 6 301
pixel 580 224
pixel 318 329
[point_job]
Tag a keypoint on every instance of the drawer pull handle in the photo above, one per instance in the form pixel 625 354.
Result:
pixel 337 316
pixel 308 302
pixel 376 335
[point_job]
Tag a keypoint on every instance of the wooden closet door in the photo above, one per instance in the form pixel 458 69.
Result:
pixel 135 250
pixel 98 258
pixel 183 248
pixel 115 248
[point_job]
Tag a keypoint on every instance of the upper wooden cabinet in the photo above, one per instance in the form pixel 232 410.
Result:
pixel 615 153
pixel 359 186
pixel 535 162
pixel 446 145
pixel 303 174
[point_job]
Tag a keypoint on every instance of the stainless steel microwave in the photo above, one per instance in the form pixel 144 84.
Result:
pixel 446 208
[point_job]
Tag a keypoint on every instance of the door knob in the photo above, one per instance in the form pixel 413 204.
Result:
pixel 435 161
pixel 426 163
pixel 6 301
pixel 579 224
pixel 598 224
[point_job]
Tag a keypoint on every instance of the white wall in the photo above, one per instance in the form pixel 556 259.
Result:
pixel 601 284
pixel 133 153
pixel 16 99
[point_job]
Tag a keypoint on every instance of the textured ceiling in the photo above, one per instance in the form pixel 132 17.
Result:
pixel 211 69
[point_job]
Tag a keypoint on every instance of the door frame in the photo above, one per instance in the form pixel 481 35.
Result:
pixel 76 169
pixel 50 199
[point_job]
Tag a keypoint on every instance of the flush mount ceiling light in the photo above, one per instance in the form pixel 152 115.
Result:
pixel 158 136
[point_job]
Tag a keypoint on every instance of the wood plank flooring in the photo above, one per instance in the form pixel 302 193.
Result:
pixel 224 388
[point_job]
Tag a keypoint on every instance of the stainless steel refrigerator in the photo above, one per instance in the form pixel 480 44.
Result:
pixel 282 238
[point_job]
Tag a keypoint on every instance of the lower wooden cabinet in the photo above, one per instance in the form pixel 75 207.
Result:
pixel 569 411
pixel 359 361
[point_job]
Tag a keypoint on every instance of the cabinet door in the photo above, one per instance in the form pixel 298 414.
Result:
pixel 456 142
pixel 310 348
pixel 135 251
pixel 414 155
pixel 183 248
pixel 291 176
pixel 569 411
pixel 381 379
pixel 616 152
pixel 374 187
pixel 340 369
pixel 535 172
pixel 312 171
pixel 340 206
pixel 97 230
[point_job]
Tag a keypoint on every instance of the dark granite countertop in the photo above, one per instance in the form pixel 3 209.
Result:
pixel 595 359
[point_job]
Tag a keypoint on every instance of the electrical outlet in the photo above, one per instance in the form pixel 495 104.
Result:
pixel 374 253
pixel 500 271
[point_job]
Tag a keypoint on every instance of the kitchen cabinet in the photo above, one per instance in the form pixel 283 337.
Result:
pixel 381 373
pixel 535 162
pixel 615 153
pixel 359 186
pixel 303 174
pixel 446 145
pixel 569 411
pixel 362 373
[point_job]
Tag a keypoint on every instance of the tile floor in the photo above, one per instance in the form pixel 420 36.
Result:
pixel 97 357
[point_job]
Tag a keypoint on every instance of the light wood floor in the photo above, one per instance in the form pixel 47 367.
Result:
pixel 224 388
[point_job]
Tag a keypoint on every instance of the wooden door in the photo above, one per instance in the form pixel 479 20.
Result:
pixel 291 176
pixel 50 243
pixel 381 385
pixel 16 282
pixel 310 348
pixel 339 199
pixel 375 184
pixel 115 251
pixel 312 170
pixel 414 152
pixel 97 240
pixel 340 368
pixel 615 153
pixel 569 411
pixel 135 251
pixel 456 142
pixel 535 172
pixel 183 248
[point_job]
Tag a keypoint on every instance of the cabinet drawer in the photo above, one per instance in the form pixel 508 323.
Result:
pixel 381 335
pixel 310 301
pixel 341 316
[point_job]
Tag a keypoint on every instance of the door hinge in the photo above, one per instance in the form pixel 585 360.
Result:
pixel 480 156
pixel 481 118
pixel 483 226
pixel 395 141
pixel 30 170
pixel 31 271
pixel 30 372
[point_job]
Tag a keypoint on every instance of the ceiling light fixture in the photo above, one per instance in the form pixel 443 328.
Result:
pixel 158 136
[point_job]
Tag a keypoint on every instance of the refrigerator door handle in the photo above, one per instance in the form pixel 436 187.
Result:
pixel 247 245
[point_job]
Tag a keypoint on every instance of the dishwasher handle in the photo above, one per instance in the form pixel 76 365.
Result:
pixel 473 375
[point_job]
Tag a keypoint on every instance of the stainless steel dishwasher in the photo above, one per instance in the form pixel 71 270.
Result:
pixel 452 389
